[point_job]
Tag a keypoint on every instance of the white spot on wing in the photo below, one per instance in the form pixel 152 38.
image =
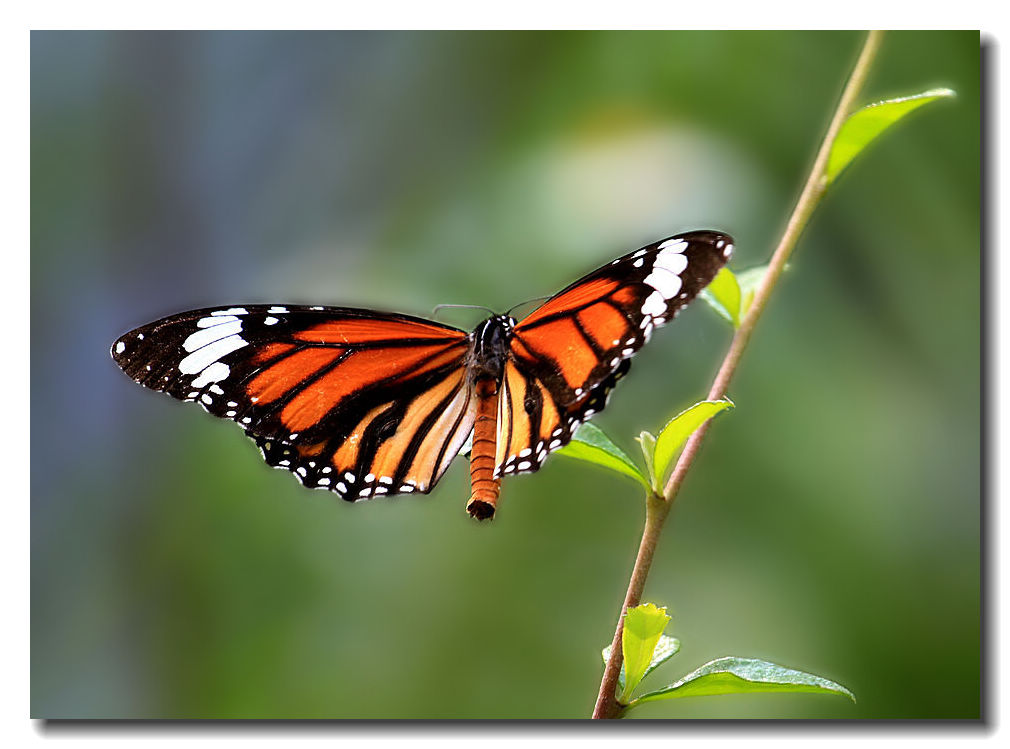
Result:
pixel 201 359
pixel 278 309
pixel 120 347
pixel 674 262
pixel 209 322
pixel 206 336
pixel 270 321
pixel 663 281
pixel 673 245
pixel 655 304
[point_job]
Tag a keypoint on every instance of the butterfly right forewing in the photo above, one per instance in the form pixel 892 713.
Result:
pixel 568 353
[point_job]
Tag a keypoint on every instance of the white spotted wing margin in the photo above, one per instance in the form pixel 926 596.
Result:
pixel 566 356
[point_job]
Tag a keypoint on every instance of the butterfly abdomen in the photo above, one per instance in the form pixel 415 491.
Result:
pixel 484 486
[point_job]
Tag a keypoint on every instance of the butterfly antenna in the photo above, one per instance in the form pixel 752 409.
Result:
pixel 528 301
pixel 438 307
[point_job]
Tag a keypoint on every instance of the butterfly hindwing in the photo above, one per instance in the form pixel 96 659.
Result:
pixel 358 402
pixel 567 354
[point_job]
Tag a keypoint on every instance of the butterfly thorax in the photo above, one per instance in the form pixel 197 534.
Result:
pixel 489 348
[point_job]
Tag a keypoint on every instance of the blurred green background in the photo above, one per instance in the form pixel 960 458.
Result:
pixel 831 524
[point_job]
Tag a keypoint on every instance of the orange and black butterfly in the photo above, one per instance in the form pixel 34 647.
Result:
pixel 366 403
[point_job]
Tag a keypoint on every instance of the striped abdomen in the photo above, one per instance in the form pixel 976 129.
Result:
pixel 484 487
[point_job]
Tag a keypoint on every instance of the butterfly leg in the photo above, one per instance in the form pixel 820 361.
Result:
pixel 484 487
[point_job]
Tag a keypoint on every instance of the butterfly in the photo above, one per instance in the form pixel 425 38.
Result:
pixel 368 403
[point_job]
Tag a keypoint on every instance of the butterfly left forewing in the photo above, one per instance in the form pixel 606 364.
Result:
pixel 358 402
pixel 567 354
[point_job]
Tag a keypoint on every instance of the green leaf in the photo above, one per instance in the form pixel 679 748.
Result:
pixel 865 125
pixel 648 445
pixel 749 280
pixel 723 294
pixel 643 626
pixel 593 446
pixel 666 648
pixel 679 428
pixel 743 676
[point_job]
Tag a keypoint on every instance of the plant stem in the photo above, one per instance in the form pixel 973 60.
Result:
pixel 656 510
pixel 813 191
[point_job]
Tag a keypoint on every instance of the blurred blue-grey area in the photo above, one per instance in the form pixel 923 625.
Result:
pixel 832 521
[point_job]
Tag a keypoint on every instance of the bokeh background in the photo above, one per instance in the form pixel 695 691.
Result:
pixel 831 524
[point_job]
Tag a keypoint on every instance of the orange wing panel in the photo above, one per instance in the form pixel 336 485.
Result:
pixel 561 341
pixel 271 351
pixel 352 331
pixel 514 422
pixel 275 381
pixel 426 468
pixel 346 457
pixel 624 296
pixel 581 295
pixel 549 417
pixel 604 323
pixel 360 369
pixel 389 455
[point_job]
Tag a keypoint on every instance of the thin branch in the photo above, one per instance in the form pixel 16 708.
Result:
pixel 656 510
pixel 813 191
